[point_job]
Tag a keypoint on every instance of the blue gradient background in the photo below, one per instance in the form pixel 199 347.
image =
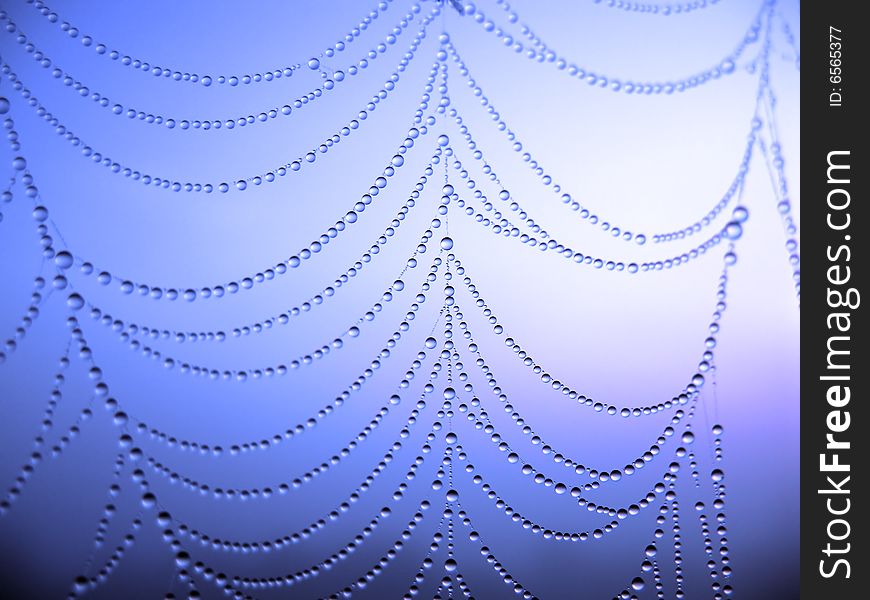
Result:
pixel 651 163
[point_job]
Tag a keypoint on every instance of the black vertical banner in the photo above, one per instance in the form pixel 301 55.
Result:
pixel 834 364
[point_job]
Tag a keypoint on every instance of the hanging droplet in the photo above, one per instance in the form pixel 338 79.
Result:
pixel 733 230
pixel 75 301
pixel 740 214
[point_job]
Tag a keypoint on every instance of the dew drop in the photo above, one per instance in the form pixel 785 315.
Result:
pixel 740 214
pixel 733 230
pixel 75 301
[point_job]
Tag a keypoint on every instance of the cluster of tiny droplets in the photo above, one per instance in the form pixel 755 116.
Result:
pixel 456 388
pixel 789 37
pixel 203 124
pixel 118 57
pixel 664 10
pixel 780 184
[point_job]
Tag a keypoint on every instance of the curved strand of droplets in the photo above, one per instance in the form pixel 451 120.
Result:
pixel 560 458
pixel 288 540
pixel 84 584
pixel 110 510
pixel 545 55
pixel 733 230
pixel 76 302
pixel 503 195
pixel 332 516
pixel 663 10
pixel 518 588
pixel 546 378
pixel 775 162
pixel 560 489
pixel 295 484
pixel 646 8
pixel 185 124
pixel 284 318
pixel 482 423
pixel 270 176
pixel 356 542
pixel 534 527
pixel 142 429
pixel 187 75
pixel 126 285
pixel 291 579
pixel 426 563
pixel 383 562
pixel 46 425
pixel 585 214
pixel 639 583
pixel 283 487
pixel 31 313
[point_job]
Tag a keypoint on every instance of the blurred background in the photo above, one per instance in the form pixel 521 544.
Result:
pixel 649 163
